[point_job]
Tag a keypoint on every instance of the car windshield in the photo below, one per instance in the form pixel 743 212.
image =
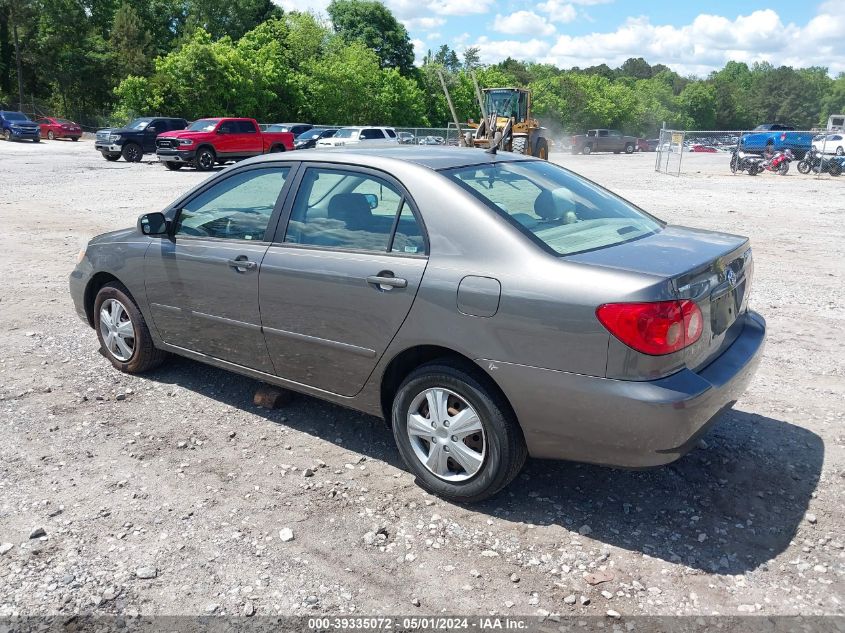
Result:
pixel 139 124
pixel 15 116
pixel 203 125
pixel 562 212
pixel 347 132
pixel 312 133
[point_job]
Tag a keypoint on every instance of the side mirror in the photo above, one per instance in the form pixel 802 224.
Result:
pixel 372 200
pixel 153 224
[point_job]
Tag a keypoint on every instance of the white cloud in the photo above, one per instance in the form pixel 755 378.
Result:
pixel 705 44
pixel 423 23
pixel 558 11
pixel 523 23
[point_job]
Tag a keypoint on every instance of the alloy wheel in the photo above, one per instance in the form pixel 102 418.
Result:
pixel 206 160
pixel 50 135
pixel 446 434
pixel 117 330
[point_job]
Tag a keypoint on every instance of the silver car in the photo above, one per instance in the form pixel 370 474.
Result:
pixel 489 307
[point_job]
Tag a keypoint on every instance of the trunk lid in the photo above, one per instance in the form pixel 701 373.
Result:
pixel 713 269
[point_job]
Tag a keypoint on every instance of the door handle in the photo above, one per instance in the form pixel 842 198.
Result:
pixel 385 280
pixel 242 264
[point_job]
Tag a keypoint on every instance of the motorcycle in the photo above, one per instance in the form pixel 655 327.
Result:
pixel 778 162
pixel 745 162
pixel 815 162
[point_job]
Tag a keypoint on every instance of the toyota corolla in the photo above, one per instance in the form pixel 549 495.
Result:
pixel 487 306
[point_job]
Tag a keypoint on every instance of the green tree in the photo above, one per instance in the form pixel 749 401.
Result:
pixel 472 57
pixel 834 101
pixel 129 42
pixel 698 104
pixel 372 24
pixel 230 17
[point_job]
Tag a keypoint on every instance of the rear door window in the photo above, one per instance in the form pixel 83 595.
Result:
pixel 245 127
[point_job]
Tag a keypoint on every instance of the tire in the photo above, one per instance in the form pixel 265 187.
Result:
pixel 783 168
pixel 172 166
pixel 205 159
pixel 734 163
pixel 541 150
pixel 276 149
pixel 804 167
pixel 840 151
pixel 835 168
pixel 110 157
pixel 519 144
pixel 74 138
pixel 51 136
pixel 7 135
pixel 587 149
pixel 114 300
pixel 629 148
pixel 132 153
pixel 503 450
pixel 37 139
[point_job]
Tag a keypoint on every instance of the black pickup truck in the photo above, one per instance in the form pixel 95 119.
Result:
pixel 136 139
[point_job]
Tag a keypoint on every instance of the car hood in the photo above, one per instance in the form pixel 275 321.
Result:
pixel 120 235
pixel 667 253
pixel 184 134
pixel 22 123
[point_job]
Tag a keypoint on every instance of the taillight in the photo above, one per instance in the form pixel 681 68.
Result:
pixel 655 328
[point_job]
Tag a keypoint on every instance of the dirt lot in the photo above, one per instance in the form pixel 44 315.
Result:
pixel 166 494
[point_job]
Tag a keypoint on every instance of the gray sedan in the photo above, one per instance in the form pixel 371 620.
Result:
pixel 489 307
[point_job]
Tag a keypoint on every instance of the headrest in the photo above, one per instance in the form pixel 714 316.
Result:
pixel 553 205
pixel 351 208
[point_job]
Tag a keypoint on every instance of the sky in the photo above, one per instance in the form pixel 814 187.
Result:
pixel 692 38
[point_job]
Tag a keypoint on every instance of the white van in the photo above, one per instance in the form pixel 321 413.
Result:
pixel 367 136
pixel 836 123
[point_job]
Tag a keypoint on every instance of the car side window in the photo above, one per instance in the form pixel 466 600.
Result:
pixel 237 208
pixel 372 133
pixel 408 237
pixel 245 127
pixel 390 133
pixel 343 209
pixel 227 127
pixel 602 132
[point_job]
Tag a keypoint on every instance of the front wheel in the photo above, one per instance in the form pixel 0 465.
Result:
pixel 37 139
pixel 804 167
pixel 456 435
pixel 629 148
pixel 122 331
pixel 734 164
pixel 205 159
pixel 7 135
pixel 835 168
pixel 587 149
pixel 172 166
pixel 110 157
pixel 74 138
pixel 132 153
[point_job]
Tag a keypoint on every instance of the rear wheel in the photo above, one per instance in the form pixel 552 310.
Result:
pixel 51 136
pixel 205 159
pixel 277 148
pixel 783 168
pixel 840 150
pixel 835 168
pixel 457 435
pixel 74 138
pixel 122 331
pixel 172 166
pixel 132 153
pixel 734 163
pixel 629 148
pixel 587 149
pixel 542 149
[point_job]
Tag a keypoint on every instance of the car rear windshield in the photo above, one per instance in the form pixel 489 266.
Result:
pixel 312 133
pixel 203 125
pixel 562 212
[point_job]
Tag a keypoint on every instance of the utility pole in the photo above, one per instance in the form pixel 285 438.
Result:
pixel 17 57
pixel 461 140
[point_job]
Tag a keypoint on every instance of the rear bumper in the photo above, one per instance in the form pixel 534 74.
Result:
pixel 176 155
pixel 622 423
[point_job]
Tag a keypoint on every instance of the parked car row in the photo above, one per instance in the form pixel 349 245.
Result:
pixel 16 126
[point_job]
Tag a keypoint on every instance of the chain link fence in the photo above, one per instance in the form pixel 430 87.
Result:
pixel 816 153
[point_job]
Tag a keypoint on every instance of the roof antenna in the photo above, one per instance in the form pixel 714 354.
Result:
pixel 493 149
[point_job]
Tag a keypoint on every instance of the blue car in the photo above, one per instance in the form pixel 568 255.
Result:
pixel 775 137
pixel 16 126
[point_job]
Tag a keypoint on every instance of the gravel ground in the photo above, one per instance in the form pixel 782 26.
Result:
pixel 172 494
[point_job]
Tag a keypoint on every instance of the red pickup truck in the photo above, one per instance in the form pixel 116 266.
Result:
pixel 209 142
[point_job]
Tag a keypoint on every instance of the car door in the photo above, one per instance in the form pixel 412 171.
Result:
pixel 148 138
pixel 202 279
pixel 249 140
pixel 340 277
pixel 372 136
pixel 603 141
